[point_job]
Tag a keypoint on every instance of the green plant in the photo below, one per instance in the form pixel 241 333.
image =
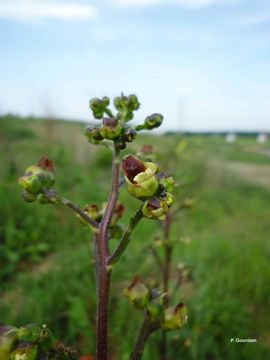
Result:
pixel 146 182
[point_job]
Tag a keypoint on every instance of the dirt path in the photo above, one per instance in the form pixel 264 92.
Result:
pixel 251 173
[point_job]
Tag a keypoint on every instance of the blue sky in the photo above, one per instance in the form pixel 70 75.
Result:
pixel 204 64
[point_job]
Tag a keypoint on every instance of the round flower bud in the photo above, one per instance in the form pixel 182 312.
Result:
pixel 29 333
pixel 93 134
pixel 91 210
pixel 155 208
pixel 120 102
pixel 38 176
pixel 174 317
pixel 140 177
pixel 133 102
pixel 111 129
pixel 153 121
pixel 137 293
pixel 125 106
pixel 51 198
pixel 168 183
pixel 155 306
pixel 105 101
pixel 129 134
pixel 168 197
pixel 98 106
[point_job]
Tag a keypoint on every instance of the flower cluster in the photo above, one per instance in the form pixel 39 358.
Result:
pixel 146 182
pixel 30 342
pixel 37 178
pixel 152 301
pixel 114 126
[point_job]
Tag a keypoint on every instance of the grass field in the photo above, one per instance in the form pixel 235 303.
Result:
pixel 46 270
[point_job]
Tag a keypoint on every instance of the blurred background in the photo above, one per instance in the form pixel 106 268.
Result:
pixel 203 64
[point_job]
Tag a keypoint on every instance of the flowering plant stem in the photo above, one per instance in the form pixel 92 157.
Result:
pixel 145 182
pixel 103 272
pixel 146 330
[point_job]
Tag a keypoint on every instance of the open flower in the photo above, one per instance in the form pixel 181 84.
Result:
pixel 140 177
pixel 155 208
pixel 137 293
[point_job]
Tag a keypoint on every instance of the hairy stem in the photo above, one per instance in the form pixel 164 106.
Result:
pixel 49 194
pixel 146 330
pixel 104 275
pixel 80 212
pixel 126 238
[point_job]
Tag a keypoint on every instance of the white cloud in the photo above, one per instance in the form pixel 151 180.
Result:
pixel 184 3
pixel 37 10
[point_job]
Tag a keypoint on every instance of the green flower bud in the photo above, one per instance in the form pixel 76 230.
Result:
pixel 140 177
pixel 91 210
pixel 174 317
pixel 133 102
pixel 29 333
pixel 93 134
pixel 153 121
pixel 137 293
pixel 155 208
pixel 168 197
pixel 129 134
pixel 51 198
pixel 125 106
pixel 38 176
pixel 31 183
pixel 105 101
pixel 28 197
pixel 111 129
pixel 98 106
pixel 168 183
pixel 155 306
pixel 8 337
pixel 119 102
pixel 24 351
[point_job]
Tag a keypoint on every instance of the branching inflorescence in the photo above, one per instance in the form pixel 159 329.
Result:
pixel 146 182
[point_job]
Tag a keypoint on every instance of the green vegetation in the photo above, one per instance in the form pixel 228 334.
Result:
pixel 46 271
